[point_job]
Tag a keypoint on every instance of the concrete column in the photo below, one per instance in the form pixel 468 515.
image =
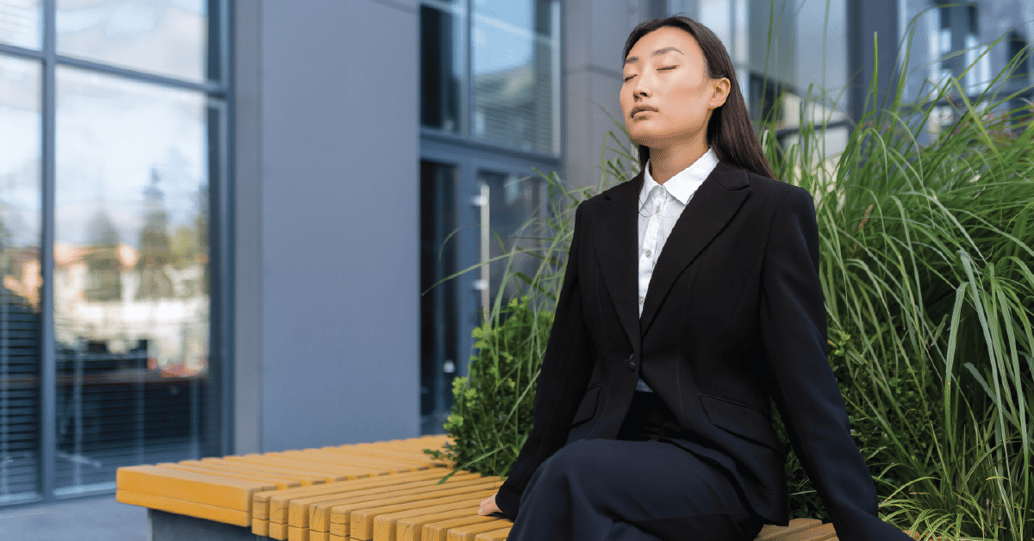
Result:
pixel 866 18
pixel 327 231
pixel 594 35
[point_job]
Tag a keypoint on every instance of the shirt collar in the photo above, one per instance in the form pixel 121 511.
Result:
pixel 685 182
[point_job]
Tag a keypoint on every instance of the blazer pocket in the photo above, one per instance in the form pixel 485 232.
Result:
pixel 740 420
pixel 588 406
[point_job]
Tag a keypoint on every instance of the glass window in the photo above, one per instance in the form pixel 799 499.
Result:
pixel 717 15
pixel 516 74
pixel 20 219
pixel 513 200
pixel 166 38
pixel 131 295
pixel 507 94
pixel 439 322
pixel 442 63
pixel 20 23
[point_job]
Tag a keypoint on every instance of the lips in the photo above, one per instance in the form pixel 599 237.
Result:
pixel 640 108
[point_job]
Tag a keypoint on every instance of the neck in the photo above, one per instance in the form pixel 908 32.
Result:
pixel 667 162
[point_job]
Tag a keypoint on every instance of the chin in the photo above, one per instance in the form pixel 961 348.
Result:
pixel 646 140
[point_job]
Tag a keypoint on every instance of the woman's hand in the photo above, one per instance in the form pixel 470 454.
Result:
pixel 488 506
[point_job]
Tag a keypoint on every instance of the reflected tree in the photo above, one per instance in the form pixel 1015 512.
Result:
pixel 155 245
pixel 103 264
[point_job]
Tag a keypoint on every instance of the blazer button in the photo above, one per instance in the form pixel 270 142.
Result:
pixel 631 361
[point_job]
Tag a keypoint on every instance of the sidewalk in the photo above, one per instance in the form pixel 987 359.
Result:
pixel 89 519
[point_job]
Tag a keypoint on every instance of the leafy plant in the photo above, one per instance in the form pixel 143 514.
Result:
pixel 491 415
pixel 925 261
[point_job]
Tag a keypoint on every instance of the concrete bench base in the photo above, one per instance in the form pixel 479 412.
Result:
pixel 172 527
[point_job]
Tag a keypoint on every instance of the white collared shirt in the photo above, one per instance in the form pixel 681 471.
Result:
pixel 660 206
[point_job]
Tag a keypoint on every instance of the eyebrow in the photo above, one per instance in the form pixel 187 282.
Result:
pixel 658 52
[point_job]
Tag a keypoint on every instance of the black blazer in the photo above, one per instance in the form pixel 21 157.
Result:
pixel 734 316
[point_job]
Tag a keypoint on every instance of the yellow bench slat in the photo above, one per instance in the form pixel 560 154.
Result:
pixel 390 494
pixel 259 527
pixel 321 514
pixel 494 535
pixel 275 503
pixel 384 525
pixel 351 457
pixel 361 520
pixel 300 510
pixel 309 477
pixel 470 531
pixel 411 528
pixel 189 486
pixel 818 533
pixel 183 507
pixel 776 533
pixel 340 472
pixel 280 482
pixel 297 534
pixel 439 531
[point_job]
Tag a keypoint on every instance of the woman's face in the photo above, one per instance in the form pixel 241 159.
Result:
pixel 667 96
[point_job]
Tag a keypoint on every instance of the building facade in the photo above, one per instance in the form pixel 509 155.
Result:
pixel 227 226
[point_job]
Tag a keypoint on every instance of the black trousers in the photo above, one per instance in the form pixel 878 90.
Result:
pixel 638 487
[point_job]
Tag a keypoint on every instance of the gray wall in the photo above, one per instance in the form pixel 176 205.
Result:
pixel 326 262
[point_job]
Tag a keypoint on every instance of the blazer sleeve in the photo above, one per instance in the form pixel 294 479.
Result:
pixel 566 369
pixel 793 332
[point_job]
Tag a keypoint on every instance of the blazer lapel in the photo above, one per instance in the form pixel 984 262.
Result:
pixel 715 202
pixel 616 242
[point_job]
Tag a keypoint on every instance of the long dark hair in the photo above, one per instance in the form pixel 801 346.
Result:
pixel 729 132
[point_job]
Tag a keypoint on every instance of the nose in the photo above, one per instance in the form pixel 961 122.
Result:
pixel 641 88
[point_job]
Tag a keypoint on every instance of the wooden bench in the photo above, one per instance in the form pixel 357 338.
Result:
pixel 384 491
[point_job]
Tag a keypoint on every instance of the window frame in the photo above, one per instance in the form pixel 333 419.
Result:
pixel 220 94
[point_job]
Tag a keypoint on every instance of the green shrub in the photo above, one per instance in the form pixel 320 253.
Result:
pixel 926 255
pixel 491 415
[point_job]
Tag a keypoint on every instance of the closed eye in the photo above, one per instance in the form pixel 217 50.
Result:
pixel 629 78
pixel 666 68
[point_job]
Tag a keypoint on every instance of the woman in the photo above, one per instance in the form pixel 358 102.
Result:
pixel 691 299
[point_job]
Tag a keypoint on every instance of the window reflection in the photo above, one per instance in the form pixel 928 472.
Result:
pixel 516 55
pixel 514 200
pixel 19 277
pixel 439 319
pixel 20 23
pixel 442 63
pixel 131 293
pixel 167 38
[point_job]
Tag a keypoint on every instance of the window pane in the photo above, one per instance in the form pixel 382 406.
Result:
pixel 516 48
pixel 131 276
pixel 513 201
pixel 167 38
pixel 442 63
pixel 20 23
pixel 439 320
pixel 20 220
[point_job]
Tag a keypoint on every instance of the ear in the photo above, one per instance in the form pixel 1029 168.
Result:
pixel 722 87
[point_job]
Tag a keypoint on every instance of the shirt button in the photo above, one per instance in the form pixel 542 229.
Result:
pixel 648 253
pixel 641 299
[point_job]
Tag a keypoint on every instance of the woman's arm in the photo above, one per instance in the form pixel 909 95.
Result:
pixel 566 368
pixel 793 333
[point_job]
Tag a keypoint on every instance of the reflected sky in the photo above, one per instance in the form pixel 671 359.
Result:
pixel 166 37
pixel 112 134
pixel 20 23
pixel 20 127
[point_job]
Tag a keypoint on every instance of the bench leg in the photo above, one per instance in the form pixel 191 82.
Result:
pixel 172 527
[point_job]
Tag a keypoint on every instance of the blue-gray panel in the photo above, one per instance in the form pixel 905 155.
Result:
pixel 339 223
